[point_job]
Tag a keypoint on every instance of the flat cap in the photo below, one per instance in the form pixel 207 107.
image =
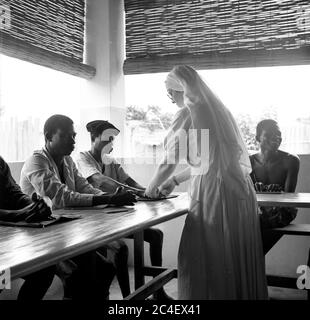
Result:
pixel 98 126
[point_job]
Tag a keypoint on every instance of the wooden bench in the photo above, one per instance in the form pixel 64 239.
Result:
pixel 273 280
pixel 294 229
pixel 290 282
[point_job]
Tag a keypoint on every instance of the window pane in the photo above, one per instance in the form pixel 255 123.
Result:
pixel 29 94
pixel 252 94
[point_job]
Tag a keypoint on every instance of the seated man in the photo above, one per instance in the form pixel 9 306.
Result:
pixel 51 172
pixel 17 206
pixel 273 170
pixel 103 172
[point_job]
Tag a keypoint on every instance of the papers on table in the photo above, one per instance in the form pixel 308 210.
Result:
pixel 157 199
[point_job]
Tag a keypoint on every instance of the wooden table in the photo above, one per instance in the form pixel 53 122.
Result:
pixel 25 250
pixel 298 200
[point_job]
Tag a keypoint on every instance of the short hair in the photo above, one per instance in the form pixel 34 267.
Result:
pixel 57 121
pixel 264 125
pixel 96 127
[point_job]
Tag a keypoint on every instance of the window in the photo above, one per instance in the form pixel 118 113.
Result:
pixel 29 94
pixel 149 115
pixel 251 94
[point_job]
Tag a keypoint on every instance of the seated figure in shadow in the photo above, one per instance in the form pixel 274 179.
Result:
pixel 103 172
pixel 16 206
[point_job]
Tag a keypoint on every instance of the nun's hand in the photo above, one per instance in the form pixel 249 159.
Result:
pixel 152 193
pixel 167 187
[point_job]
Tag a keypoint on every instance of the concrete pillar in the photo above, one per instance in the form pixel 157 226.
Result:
pixel 103 97
pixel 117 80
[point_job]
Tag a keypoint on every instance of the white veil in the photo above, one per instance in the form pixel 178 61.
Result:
pixel 222 220
pixel 226 135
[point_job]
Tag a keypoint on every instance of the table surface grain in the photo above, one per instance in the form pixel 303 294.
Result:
pixel 25 250
pixel 300 200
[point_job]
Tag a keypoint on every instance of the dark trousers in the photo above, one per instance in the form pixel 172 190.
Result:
pixel 91 279
pixel 120 255
pixel 36 284
pixel 119 251
pixel 269 238
pixel 274 218
pixel 155 239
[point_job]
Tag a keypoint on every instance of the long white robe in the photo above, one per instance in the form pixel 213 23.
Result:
pixel 220 254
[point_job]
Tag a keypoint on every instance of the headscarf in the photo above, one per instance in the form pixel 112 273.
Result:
pixel 225 134
pixel 173 83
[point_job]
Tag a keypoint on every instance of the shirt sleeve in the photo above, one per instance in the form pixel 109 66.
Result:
pixel 86 167
pixel 176 143
pixel 82 185
pixel 121 174
pixel 14 197
pixel 46 183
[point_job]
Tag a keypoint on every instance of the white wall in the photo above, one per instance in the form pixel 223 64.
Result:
pixel 16 168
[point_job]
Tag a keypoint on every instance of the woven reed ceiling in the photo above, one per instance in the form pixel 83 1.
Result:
pixel 168 29
pixel 54 25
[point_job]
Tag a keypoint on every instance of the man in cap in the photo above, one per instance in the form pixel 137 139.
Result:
pixel 97 166
pixel 105 173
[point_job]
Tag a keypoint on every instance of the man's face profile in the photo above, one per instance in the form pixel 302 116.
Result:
pixel 63 140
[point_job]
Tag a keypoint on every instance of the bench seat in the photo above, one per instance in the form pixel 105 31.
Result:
pixel 295 229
